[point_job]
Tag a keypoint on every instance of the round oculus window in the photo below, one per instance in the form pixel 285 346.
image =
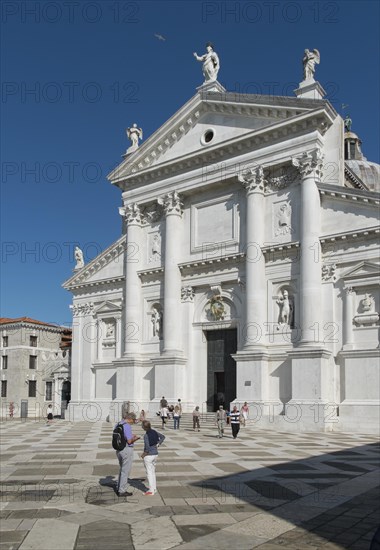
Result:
pixel 207 137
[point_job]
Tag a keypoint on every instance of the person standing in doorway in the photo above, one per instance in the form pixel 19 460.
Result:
pixel 220 419
pixel 235 421
pixel 125 457
pixel 152 440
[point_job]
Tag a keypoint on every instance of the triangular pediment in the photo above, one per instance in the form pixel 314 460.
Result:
pixel 108 307
pixel 231 118
pixel 108 266
pixel 363 269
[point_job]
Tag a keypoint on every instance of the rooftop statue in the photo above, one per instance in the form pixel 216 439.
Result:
pixel 347 123
pixel 310 59
pixel 78 256
pixel 211 63
pixel 134 134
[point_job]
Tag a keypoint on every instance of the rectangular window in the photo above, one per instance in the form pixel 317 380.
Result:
pixel 33 341
pixel 4 362
pixel 3 388
pixel 32 361
pixel 5 341
pixel 48 391
pixel 32 388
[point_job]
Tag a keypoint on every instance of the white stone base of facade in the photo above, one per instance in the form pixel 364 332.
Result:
pixel 360 416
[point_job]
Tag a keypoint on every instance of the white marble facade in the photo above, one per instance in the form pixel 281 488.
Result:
pixel 236 217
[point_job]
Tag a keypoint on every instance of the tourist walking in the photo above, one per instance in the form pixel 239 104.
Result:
pixel 163 403
pixel 164 413
pixel 176 416
pixel 125 456
pixel 196 418
pixel 49 414
pixel 142 416
pixel 220 419
pixel 235 421
pixel 244 413
pixel 152 440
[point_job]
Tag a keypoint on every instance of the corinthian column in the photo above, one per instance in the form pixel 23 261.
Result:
pixel 309 165
pixel 133 254
pixel 254 331
pixel 172 277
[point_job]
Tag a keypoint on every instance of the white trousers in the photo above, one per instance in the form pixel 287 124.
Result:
pixel 150 468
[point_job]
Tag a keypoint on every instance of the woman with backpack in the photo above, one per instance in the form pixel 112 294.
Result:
pixel 152 440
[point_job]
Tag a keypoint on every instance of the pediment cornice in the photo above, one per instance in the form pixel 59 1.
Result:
pixel 82 277
pixel 286 117
pixel 362 269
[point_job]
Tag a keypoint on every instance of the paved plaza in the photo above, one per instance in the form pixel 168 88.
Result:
pixel 265 490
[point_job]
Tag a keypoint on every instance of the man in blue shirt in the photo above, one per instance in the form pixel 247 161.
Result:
pixel 125 457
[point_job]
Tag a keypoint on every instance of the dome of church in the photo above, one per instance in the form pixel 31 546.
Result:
pixel 368 172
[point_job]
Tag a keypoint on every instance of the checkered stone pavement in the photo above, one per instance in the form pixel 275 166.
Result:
pixel 264 490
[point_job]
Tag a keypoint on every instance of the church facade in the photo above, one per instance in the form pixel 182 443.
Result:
pixel 247 270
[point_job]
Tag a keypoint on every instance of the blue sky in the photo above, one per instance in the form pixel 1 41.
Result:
pixel 76 74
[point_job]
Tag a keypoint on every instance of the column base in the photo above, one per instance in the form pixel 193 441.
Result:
pixel 169 377
pixel 252 375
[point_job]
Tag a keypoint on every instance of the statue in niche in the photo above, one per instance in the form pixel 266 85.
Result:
pixel 155 256
pixel 211 63
pixel 367 303
pixel 284 219
pixel 310 59
pixel 156 318
pixel 134 134
pixel 110 330
pixel 78 256
pixel 286 309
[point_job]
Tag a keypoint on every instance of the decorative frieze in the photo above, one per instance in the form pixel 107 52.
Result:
pixel 82 309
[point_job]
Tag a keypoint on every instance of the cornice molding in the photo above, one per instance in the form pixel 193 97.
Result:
pixel 143 170
pixel 354 178
pixel 350 235
pixel 338 192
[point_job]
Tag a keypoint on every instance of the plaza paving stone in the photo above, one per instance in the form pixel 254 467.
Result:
pixel 265 490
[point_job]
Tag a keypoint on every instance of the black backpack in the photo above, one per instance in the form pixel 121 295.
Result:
pixel 118 438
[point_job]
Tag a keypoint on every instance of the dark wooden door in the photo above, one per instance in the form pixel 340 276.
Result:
pixel 221 368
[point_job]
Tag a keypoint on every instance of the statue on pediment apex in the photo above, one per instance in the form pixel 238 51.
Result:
pixel 134 134
pixel 310 59
pixel 78 256
pixel 211 63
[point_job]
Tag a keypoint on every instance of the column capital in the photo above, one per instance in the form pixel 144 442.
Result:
pixel 187 294
pixel 253 179
pixel 350 291
pixel 309 163
pixel 172 203
pixel 132 214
